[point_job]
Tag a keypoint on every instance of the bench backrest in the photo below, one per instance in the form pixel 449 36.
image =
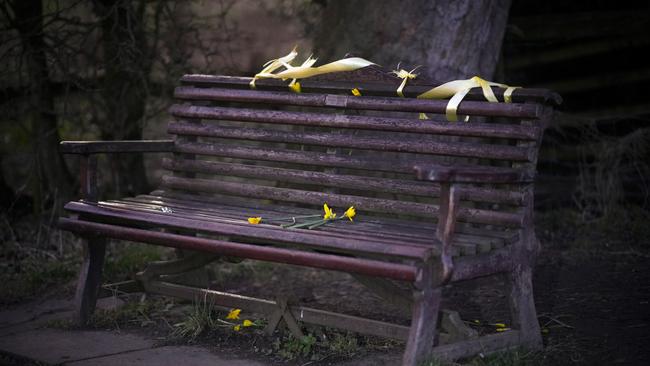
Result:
pixel 326 145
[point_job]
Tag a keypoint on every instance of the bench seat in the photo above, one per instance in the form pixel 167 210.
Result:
pixel 377 239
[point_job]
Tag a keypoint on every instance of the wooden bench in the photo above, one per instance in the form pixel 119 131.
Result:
pixel 239 152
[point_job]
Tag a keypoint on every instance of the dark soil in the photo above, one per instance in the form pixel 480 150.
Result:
pixel 594 308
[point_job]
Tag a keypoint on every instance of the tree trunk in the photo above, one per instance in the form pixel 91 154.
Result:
pixel 450 39
pixel 53 180
pixel 125 87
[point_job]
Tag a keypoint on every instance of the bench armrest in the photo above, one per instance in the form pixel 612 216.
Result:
pixel 88 163
pixel 470 174
pixel 130 146
pixel 449 176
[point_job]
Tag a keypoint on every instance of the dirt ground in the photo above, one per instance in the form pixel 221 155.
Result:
pixel 592 291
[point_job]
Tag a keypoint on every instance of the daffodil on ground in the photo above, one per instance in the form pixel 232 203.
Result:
pixel 246 323
pixel 233 314
pixel 292 222
pixel 500 327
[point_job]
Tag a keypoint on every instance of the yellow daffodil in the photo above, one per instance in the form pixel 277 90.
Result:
pixel 247 323
pixel 237 328
pixel 233 314
pixel 295 86
pixel 254 220
pixel 350 213
pixel 329 214
pixel 356 92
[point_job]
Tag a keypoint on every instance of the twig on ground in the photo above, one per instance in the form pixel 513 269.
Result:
pixel 555 320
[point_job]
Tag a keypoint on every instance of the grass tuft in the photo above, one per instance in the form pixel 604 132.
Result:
pixel 202 318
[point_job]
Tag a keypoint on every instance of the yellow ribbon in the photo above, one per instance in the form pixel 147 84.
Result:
pixel 404 75
pixel 273 65
pixel 507 94
pixel 458 89
pixel 306 69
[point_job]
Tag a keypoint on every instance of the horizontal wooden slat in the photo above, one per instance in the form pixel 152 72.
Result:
pixel 221 214
pixel 303 177
pixel 509 235
pixel 463 173
pixel 358 122
pixel 381 143
pixel 368 224
pixel 414 233
pixel 238 215
pixel 528 111
pixel 363 225
pixel 464 267
pixel 124 146
pixel 388 89
pixel 317 198
pixel 307 315
pixel 395 271
pixel 330 160
pixel 297 156
pixel 380 233
pixel 373 184
pixel 240 229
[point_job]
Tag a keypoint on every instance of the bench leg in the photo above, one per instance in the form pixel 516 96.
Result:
pixel 426 304
pixel 522 305
pixel 90 277
pixel 522 302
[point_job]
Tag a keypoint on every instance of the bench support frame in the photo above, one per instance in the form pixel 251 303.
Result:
pixel 428 278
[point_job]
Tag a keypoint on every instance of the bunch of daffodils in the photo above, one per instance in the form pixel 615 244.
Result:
pixel 306 221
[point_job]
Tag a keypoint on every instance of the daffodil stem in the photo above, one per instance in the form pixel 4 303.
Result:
pixel 319 224
pixel 341 218
pixel 291 218
pixel 305 224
